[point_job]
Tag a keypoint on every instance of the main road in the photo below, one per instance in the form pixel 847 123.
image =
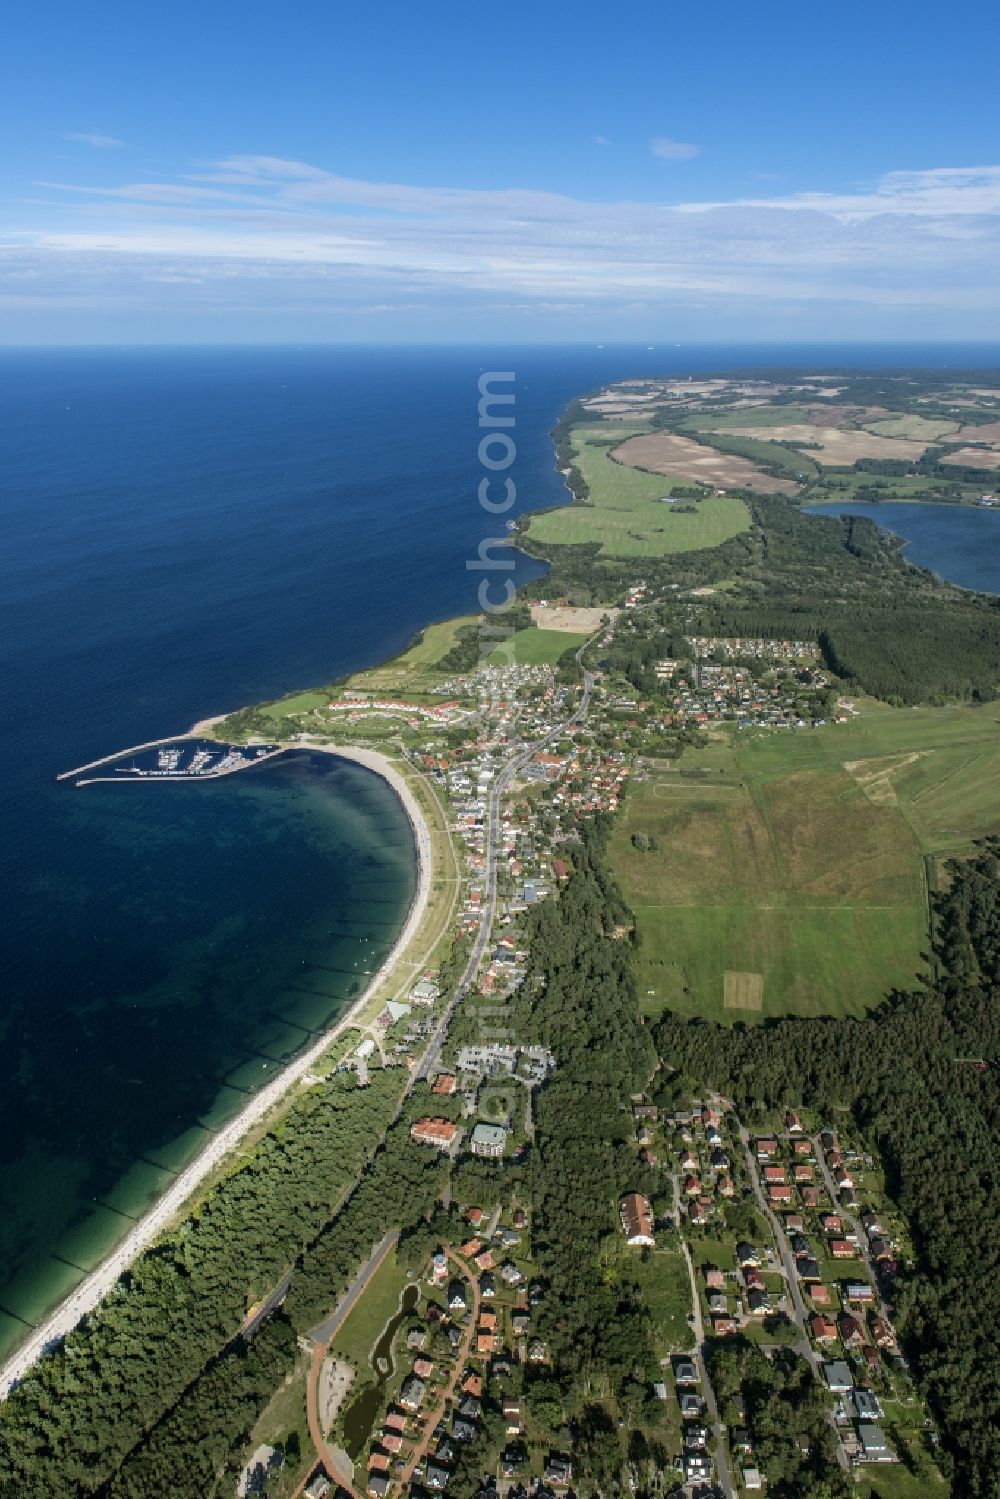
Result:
pixel 509 773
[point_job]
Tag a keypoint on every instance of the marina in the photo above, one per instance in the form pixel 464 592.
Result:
pixel 172 762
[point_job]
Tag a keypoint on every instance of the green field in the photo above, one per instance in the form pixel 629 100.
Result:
pixel 919 427
pixel 803 858
pixel 666 1291
pixel 749 416
pixel 626 515
pixel 534 647
pixel 416 663
pixel 841 485
pixel 302 702
pixel 368 1317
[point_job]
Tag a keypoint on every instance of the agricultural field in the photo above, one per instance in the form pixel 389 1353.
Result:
pixel 535 647
pixel 791 876
pixel 834 445
pixel 919 428
pixel 627 515
pixel 974 457
pixel 691 462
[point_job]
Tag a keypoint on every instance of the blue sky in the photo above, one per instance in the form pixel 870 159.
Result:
pixel 550 172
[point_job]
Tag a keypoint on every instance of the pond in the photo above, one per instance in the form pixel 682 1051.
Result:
pixel 359 1417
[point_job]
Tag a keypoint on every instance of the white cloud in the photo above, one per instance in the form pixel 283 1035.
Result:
pixel 670 150
pixel 258 226
pixel 601 140
pixel 93 138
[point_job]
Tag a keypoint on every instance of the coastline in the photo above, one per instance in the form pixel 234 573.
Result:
pixel 101 1281
pixel 92 1290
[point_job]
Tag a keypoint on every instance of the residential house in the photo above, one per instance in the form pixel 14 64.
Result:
pixel 850 1330
pixel 873 1444
pixel 838 1377
pixel 439 1133
pixel 412 1393
pixel 883 1333
pixel 637 1219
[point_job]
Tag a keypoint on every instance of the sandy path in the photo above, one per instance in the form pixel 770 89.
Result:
pixel 99 1282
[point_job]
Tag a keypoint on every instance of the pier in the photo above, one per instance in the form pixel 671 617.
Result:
pixel 233 760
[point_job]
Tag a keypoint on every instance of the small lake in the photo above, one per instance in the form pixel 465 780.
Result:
pixel 359 1417
pixel 959 542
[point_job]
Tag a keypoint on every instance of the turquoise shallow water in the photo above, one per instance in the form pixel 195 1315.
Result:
pixel 225 924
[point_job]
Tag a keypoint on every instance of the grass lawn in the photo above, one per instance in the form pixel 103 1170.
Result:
pixel 535 647
pixel 368 1317
pixel 666 1291
pixel 417 663
pixel 302 702
pixel 717 1254
pixel 626 514
pixel 895 1481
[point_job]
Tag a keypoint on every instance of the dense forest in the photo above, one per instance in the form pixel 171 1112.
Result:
pixel 140 1368
pixel 919 1077
pixel 579 998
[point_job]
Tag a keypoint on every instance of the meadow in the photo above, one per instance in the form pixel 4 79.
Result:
pixel 626 515
pixel 804 860
pixel 409 671
pixel 536 647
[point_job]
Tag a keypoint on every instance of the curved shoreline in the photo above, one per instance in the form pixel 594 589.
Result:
pixel 95 1286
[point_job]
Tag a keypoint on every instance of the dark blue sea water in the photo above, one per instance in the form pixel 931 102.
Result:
pixel 186 531
pixel 961 543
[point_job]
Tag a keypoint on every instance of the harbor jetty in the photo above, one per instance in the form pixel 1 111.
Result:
pixel 204 764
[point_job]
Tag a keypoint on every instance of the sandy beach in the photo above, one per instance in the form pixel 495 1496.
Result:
pixel 99 1282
